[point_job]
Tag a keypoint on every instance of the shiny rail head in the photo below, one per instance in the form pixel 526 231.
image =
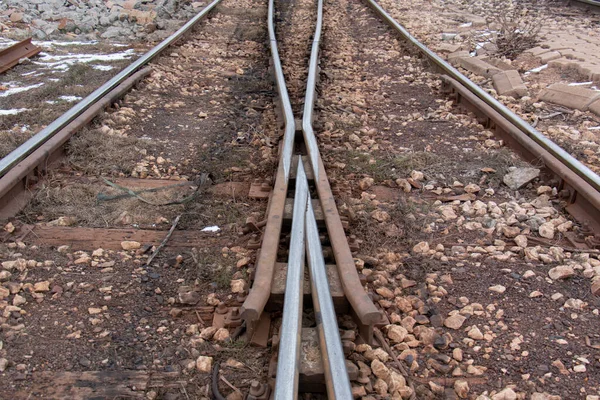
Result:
pixel 288 364
pixel 310 96
pixel 336 373
pixel 284 98
pixel 42 136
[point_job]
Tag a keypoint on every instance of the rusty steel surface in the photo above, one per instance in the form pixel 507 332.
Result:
pixel 361 304
pixel 583 200
pixel 260 292
pixel 11 56
pixel 16 183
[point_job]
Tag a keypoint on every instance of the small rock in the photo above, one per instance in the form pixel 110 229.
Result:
pixel 579 368
pixel 380 370
pixel 204 364
pixel 475 333
pixel 505 394
pixel 461 388
pixel 380 216
pixel 455 321
pixel 396 333
pixel 521 241
pixel 421 247
pixel 189 297
pixel 498 289
pixel 3 364
pixel 417 175
pixel 561 272
pixel 238 285
pixel 544 189
pixel 511 231
pixel 221 335
pixel 404 185
pixel 385 292
pixel 546 230
pixel 43 286
pixel 19 300
pixel 130 245
pixel 528 274
pixel 457 354
pixel 366 183
pixel 596 287
pixel 472 188
pixel 520 177
pixel 10 228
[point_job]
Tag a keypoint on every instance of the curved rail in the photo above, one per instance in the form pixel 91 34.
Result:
pixel 42 136
pixel 360 302
pixel 595 3
pixel 261 289
pixel 567 159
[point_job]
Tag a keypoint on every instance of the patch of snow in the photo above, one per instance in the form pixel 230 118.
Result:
pixel 468 24
pixel 580 83
pixel 65 61
pixel 103 67
pixel 538 69
pixel 70 99
pixel 13 111
pixel 213 228
pixel 11 91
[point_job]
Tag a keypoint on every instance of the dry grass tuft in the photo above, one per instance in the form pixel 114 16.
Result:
pixel 519 25
pixel 94 152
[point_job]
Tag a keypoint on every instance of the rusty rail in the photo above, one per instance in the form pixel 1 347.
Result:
pixel 362 307
pixel 11 56
pixel 16 184
pixel 42 136
pixel 581 185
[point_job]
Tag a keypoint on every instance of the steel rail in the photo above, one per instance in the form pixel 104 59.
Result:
pixel 309 99
pixel 361 304
pixel 288 114
pixel 42 136
pixel 258 297
pixel 567 159
pixel 332 353
pixel 288 362
pixel 590 2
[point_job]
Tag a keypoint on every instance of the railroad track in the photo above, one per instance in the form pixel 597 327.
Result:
pixel 303 229
pixel 589 5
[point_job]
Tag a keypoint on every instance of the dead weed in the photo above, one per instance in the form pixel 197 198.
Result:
pixel 94 152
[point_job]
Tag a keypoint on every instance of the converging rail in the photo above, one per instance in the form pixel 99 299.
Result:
pixel 305 239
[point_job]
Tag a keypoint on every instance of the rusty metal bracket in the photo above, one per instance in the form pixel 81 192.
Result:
pixel 11 56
